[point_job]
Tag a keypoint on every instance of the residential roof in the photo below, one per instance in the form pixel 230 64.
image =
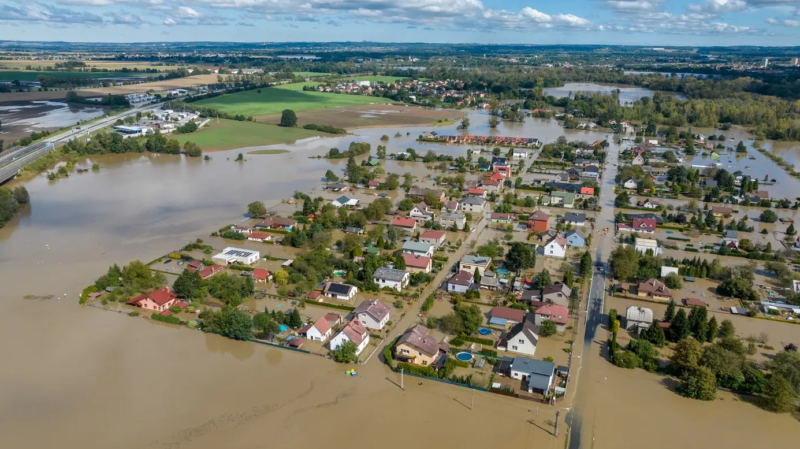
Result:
pixel 694 302
pixel 721 210
pixel 591 169
pixel 640 314
pixel 355 332
pixel 559 239
pixel 474 200
pixel 339 289
pixel 414 261
pixel 260 274
pixel 502 216
pixel 574 217
pixel 434 235
pixel 491 182
pixel 655 287
pixel 554 312
pixel 404 222
pixel 417 247
pixel 497 321
pixel 322 325
pixel 587 190
pixel 373 308
pixel 333 318
pixel 731 234
pixel 556 288
pixel 649 243
pixel 508 313
pixel 277 221
pixel 644 223
pixel 574 232
pixel 476 191
pixel 160 297
pixel 336 186
pixel 530 330
pixel 450 216
pixel 539 215
pixel 461 278
pixel 474 259
pixel 342 200
pixel 418 338
pixel 532 366
pixel 390 274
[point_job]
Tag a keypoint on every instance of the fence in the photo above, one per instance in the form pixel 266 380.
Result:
pixel 445 381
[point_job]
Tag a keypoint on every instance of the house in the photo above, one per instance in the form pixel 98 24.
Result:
pixel 344 201
pixel 666 271
pixel 205 271
pixel 642 246
pixel 389 277
pixel 575 238
pixel 320 330
pixel 450 206
pixel 658 218
pixel 498 217
pixel 642 225
pixel 567 176
pixel 242 229
pixel 460 282
pixel 761 194
pixel 373 314
pixel 337 187
pixel 440 195
pixel 448 220
pixel 503 316
pixel 575 219
pixel 354 332
pixel 295 343
pixel 260 275
pixel 259 237
pixel 557 293
pixel 720 211
pixel 555 247
pixel 637 319
pixel 731 239
pixel 552 312
pixel 422 212
pixel 415 346
pixel 471 262
pixel 472 204
pixel 418 248
pixel 694 302
pixel 539 221
pixel 501 165
pixel 233 255
pixel 520 154
pixel 158 300
pixel 405 223
pixel 637 160
pixel 354 230
pixel 586 191
pixel 339 291
pixel 590 171
pixel 477 191
pixel 522 338
pixel 565 199
pixel 489 281
pixel 647 204
pixel 373 184
pixel 435 238
pixel 492 185
pixel 538 374
pixel 630 184
pixel 417 264
pixel 334 319
pixel 276 222
pixel 653 288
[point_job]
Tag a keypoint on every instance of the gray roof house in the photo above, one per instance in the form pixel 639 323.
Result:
pixel 447 220
pixel 575 238
pixel 538 374
pixel 372 313
pixel 473 204
pixel 557 294
pixel 389 277
pixel 575 219
pixel 418 248
pixel 522 338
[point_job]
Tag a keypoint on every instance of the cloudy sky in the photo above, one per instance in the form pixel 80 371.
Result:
pixel 639 22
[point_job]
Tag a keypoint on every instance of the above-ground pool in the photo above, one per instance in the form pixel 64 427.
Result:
pixel 502 271
pixel 485 331
pixel 339 273
pixel 283 327
pixel 464 356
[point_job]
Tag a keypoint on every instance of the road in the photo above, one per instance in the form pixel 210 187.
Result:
pixel 11 162
pixel 581 416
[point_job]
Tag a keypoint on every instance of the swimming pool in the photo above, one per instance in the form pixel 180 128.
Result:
pixel 502 271
pixel 283 328
pixel 485 331
pixel 464 356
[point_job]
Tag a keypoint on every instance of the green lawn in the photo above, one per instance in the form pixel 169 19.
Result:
pixel 273 100
pixel 311 74
pixel 231 134
pixel 11 75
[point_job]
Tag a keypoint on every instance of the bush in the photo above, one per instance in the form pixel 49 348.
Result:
pixel 133 313
pixel 425 371
pixel 458 341
pixel 483 341
pixel 387 356
pixel 627 360
pixel 166 319
pixel 491 352
pixel 548 329
pixel 325 128
pixel 428 304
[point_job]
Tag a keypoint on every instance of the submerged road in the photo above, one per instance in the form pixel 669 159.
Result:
pixel 581 416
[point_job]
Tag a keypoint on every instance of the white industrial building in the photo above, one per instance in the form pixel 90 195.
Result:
pixel 236 255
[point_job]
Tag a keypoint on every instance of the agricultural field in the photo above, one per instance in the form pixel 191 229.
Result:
pixel 20 64
pixel 311 74
pixel 273 100
pixel 232 134
pixel 11 75
pixel 372 116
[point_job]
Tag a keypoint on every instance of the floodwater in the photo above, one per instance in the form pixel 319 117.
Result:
pixel 627 94
pixel 24 117
pixel 82 377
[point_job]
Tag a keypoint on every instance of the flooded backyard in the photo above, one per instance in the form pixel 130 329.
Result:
pixel 151 385
pixel 24 117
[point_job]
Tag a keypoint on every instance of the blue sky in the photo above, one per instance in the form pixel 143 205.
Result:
pixel 636 22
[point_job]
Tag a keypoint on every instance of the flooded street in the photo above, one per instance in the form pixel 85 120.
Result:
pixel 85 378
pixel 24 117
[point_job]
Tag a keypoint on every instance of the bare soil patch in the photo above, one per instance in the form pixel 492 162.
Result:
pixel 369 116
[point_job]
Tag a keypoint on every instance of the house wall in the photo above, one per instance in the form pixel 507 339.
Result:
pixel 471 207
pixel 539 319
pixel 340 338
pixel 435 242
pixel 521 345
pixel 149 304
pixel 554 250
pixel 556 298
pixel 371 323
pixel 404 350
pixel 316 335
pixel 471 267
pixel 540 226
pixel 457 288
pixel 392 284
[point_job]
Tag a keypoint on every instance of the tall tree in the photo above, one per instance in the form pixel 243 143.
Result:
pixel 256 209
pixel 712 329
pixel 477 275
pixel 698 323
pixel 679 327
pixel 670 312
pixel 726 329
pixel 288 118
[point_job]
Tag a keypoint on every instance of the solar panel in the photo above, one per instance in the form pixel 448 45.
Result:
pixel 339 289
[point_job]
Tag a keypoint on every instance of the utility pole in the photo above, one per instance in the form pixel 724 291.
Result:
pixel 401 379
pixel 558 412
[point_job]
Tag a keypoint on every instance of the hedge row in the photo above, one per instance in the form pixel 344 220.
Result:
pixel 490 352
pixel 483 341
pixel 166 319
pixel 680 239
pixel 425 371
pixel 428 304
pixel 331 306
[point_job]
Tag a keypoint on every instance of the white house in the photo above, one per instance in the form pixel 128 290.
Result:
pixel 473 204
pixel 666 271
pixel 638 160
pixel 643 245
pixel 344 201
pixel 556 247
pixel 372 313
pixel 630 184
pixel 418 249
pixel 422 212
pixel 236 255
pixel 389 277
pixel 471 261
pixel 448 220
pixel 648 204
pixel 353 331
pixel 522 338
pixel 520 153
pixel 340 291
pixel 319 331
pixel 460 282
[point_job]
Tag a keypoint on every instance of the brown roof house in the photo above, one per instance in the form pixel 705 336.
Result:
pixel 415 346
pixel 653 288
pixel 504 316
pixel 372 313
pixel 522 338
pixel 557 293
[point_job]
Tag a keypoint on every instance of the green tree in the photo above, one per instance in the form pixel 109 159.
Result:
pixel 295 321
pixel 625 263
pixel 779 396
pixel 189 285
pixel 655 335
pixel 236 324
pixel 21 195
pixel 669 314
pixel 548 328
pixel 699 383
pixel 586 264
pixel 768 216
pixel 400 262
pixel 256 209
pixel 288 118
pixel 687 355
pixel 281 277
pixel 698 324
pixel 712 329
pixel 679 327
pixel 520 256
pixel 622 200
pixel 790 231
pixel 741 148
pixel 726 329
pixel 451 324
pixel 673 281
pixel 346 352
pixel 477 275
pixel 569 278
pixel 471 318
pixel 787 365
pixel 265 323
pixel 330 176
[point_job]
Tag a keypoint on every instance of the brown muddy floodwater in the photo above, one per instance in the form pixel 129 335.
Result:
pixel 80 377
pixel 21 118
pixel 627 94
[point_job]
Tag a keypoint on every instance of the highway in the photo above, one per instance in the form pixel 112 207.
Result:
pixel 12 161
pixel 581 417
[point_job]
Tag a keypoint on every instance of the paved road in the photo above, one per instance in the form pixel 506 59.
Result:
pixel 581 417
pixel 11 162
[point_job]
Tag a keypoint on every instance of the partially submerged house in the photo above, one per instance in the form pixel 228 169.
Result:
pixel 417 347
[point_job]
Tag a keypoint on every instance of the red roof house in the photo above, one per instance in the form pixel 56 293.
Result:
pixel 539 221
pixel 416 263
pixel 260 275
pixel 509 314
pixel 158 300
pixel 404 222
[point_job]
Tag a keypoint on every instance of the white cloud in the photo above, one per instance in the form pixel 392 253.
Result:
pixel 186 12
pixel 536 16
pixel 632 5
pixel 771 20
pixel 719 6
pixel 791 23
pixel 170 22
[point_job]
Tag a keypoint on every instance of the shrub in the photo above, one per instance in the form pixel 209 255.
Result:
pixel 133 313
pixel 387 355
pixel 425 371
pixel 491 352
pixel 428 304
pixel 458 341
pixel 548 328
pixel 627 360
pixel 483 341
pixel 166 319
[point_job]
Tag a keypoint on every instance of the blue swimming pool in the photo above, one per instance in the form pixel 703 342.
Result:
pixel 283 327
pixel 485 331
pixel 464 356
pixel 502 271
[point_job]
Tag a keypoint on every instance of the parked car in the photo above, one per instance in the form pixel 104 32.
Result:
pixel 168 261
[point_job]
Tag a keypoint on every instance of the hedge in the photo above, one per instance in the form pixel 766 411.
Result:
pixel 425 371
pixel 166 319
pixel 490 352
pixel 332 306
pixel 692 250
pixel 461 363
pixel 428 304
pixel 483 341
pixel 680 239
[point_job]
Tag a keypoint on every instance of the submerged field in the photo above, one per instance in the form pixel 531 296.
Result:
pixel 231 134
pixel 273 100
pixel 11 75
pixel 373 116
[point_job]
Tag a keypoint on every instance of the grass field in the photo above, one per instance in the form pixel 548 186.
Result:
pixel 311 74
pixel 11 75
pixel 232 134
pixel 273 100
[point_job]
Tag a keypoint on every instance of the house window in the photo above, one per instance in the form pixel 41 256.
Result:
pixel 513 348
pixel 521 341
pixel 424 362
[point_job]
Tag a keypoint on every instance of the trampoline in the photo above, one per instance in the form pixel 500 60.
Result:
pixel 485 331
